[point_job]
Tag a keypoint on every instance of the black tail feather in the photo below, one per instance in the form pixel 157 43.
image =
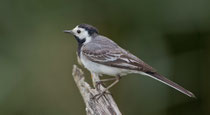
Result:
pixel 170 83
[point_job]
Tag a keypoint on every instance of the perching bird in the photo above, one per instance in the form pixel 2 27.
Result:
pixel 100 55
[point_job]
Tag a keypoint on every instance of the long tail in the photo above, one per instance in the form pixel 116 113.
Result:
pixel 168 82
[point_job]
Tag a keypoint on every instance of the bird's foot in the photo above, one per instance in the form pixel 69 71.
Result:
pixel 97 85
pixel 99 95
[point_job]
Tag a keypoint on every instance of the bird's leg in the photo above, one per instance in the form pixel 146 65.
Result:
pixel 109 79
pixel 117 78
pixel 95 78
pixel 100 82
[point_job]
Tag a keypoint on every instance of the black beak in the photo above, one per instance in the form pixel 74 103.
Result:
pixel 69 31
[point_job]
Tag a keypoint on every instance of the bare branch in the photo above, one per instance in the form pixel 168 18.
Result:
pixel 105 105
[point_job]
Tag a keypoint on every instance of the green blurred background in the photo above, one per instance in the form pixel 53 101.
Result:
pixel 36 57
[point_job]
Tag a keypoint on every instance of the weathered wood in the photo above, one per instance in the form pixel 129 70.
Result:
pixel 105 105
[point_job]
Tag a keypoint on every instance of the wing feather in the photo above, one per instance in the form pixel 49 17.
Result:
pixel 112 55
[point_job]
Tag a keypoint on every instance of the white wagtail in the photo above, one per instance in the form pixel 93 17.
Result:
pixel 100 55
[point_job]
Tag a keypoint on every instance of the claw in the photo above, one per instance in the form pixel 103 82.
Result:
pixel 98 83
pixel 99 95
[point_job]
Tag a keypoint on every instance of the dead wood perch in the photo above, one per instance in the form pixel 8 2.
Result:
pixel 105 105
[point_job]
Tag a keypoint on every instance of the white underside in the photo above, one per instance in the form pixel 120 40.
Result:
pixel 103 69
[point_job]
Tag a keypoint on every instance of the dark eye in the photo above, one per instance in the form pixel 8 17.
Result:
pixel 78 31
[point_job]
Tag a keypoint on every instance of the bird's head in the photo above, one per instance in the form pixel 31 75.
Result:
pixel 83 32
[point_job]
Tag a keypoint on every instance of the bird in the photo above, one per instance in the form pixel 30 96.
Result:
pixel 102 56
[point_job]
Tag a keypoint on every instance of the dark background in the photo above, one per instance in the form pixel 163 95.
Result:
pixel 36 57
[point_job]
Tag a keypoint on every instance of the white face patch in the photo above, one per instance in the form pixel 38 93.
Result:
pixel 81 33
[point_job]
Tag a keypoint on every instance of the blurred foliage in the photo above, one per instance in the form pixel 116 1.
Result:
pixel 36 58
